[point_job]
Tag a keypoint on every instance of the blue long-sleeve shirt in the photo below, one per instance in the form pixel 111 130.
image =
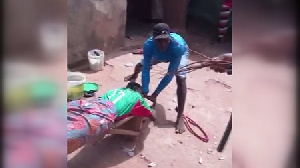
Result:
pixel 173 54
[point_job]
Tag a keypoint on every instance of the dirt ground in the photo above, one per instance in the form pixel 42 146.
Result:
pixel 208 103
pixel 263 119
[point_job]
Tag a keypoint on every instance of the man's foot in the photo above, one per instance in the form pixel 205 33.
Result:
pixel 179 127
pixel 130 78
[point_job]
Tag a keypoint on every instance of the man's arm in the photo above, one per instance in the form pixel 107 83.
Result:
pixel 148 108
pixel 146 68
pixel 145 104
pixel 223 67
pixel 173 66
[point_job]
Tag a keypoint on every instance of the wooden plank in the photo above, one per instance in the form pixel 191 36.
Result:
pixel 124 132
pixel 121 122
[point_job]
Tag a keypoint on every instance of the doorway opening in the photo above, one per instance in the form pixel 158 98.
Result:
pixel 203 17
pixel 138 17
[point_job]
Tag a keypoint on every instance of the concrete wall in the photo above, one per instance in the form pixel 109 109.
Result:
pixel 95 24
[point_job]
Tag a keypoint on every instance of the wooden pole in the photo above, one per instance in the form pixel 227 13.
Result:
pixel 225 136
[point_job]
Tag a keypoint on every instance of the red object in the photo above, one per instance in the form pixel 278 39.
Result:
pixel 228 3
pixel 223 31
pixel 188 121
pixel 223 24
pixel 138 110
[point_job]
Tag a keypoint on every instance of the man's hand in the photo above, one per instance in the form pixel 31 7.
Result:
pixel 144 95
pixel 225 57
pixel 152 98
pixel 218 68
pixel 221 67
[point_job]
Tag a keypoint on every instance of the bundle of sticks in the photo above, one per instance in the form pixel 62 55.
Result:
pixel 216 63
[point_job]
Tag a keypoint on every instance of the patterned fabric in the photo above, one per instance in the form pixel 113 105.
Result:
pixel 224 18
pixel 31 135
pixel 88 119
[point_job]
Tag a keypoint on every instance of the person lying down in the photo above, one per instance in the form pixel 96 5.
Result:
pixel 129 101
pixel 89 119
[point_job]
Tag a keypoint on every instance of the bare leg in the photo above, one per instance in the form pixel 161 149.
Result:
pixel 181 97
pixel 134 76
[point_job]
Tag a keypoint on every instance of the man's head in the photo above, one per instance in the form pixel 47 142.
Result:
pixel 161 35
pixel 134 86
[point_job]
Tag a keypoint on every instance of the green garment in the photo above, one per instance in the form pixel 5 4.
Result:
pixel 124 100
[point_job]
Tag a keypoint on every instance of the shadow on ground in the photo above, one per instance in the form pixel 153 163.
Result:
pixel 85 68
pixel 82 66
pixel 161 120
pixel 109 152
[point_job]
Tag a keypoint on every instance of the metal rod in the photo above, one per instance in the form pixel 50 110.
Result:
pixel 225 136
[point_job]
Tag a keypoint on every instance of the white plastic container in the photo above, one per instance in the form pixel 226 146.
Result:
pixel 96 59
pixel 53 39
pixel 75 85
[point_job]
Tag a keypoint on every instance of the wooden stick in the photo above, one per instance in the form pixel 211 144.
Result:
pixel 121 122
pixel 225 136
pixel 124 132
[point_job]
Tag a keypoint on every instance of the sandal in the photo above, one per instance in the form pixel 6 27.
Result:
pixel 138 51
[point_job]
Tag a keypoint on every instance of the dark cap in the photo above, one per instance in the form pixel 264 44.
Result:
pixel 161 31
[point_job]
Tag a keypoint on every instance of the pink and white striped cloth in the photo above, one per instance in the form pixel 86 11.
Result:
pixel 224 18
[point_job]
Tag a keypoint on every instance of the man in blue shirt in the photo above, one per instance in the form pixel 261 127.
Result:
pixel 164 46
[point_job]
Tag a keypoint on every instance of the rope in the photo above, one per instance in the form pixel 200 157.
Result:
pixel 187 121
pixel 200 54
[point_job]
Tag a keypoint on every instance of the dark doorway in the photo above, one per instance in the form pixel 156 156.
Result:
pixel 203 18
pixel 138 17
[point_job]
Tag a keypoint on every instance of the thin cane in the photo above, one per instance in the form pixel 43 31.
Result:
pixel 225 137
